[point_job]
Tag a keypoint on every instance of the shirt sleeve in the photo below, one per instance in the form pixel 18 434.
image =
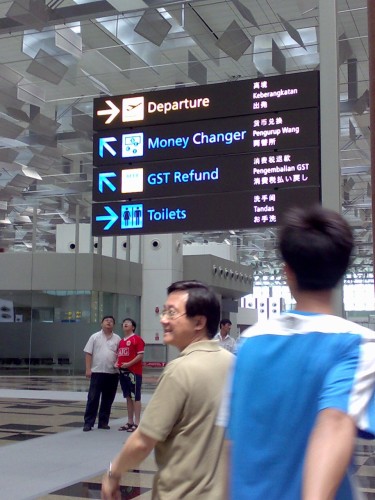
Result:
pixel 233 346
pixel 350 386
pixel 164 408
pixel 222 419
pixel 89 347
pixel 140 345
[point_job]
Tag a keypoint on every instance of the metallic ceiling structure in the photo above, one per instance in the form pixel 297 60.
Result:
pixel 57 55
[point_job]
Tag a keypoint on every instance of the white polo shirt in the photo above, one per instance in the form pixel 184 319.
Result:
pixel 227 342
pixel 104 352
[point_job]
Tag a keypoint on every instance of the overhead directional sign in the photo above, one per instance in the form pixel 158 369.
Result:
pixel 245 134
pixel 222 156
pixel 243 209
pixel 221 174
pixel 244 97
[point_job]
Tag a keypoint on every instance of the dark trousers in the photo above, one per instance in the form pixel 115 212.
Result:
pixel 103 387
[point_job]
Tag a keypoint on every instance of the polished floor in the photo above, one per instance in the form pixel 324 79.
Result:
pixel 43 452
pixel 45 455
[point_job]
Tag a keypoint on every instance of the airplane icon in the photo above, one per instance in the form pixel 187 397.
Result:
pixel 133 109
pixel 130 107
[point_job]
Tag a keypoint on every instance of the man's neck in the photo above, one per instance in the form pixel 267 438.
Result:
pixel 107 332
pixel 320 302
pixel 197 338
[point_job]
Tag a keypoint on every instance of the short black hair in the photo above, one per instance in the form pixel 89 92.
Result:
pixel 108 316
pixel 316 243
pixel 131 321
pixel 225 321
pixel 201 301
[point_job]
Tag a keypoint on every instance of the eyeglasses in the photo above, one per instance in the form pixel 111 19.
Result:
pixel 170 314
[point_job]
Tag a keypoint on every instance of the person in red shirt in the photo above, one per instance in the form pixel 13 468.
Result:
pixel 129 363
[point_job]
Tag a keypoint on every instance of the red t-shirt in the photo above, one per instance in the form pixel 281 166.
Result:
pixel 128 349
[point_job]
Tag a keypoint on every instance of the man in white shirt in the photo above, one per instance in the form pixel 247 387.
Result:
pixel 101 356
pixel 224 338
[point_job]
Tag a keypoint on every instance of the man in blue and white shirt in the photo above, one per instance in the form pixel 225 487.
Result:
pixel 223 336
pixel 303 384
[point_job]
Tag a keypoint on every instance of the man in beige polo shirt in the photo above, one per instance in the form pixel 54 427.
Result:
pixel 179 421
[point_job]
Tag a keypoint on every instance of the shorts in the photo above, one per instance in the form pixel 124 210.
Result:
pixel 131 385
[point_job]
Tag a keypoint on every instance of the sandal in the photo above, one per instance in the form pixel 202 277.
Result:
pixel 126 427
pixel 132 428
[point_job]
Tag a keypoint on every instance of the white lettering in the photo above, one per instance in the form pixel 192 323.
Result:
pixel 275 93
pixel 267 208
pixel 303 166
pixel 184 104
pixel 290 130
pixel 266 133
pixel 273 170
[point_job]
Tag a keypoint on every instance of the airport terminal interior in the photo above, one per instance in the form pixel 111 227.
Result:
pixel 58 278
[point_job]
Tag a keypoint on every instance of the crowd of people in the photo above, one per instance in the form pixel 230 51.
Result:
pixel 279 418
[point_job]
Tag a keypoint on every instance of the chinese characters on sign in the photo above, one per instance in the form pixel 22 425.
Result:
pixel 262 95
pixel 271 170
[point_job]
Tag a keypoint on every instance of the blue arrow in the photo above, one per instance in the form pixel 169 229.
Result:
pixel 111 218
pixel 104 144
pixel 104 179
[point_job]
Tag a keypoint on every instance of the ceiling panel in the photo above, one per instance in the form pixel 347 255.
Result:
pixel 46 83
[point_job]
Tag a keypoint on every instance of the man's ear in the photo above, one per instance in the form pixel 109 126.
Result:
pixel 200 323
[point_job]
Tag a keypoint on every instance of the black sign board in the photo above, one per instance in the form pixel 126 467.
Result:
pixel 243 134
pixel 297 168
pixel 215 157
pixel 234 210
pixel 244 97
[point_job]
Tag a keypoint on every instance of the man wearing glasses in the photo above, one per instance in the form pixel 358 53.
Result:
pixel 179 421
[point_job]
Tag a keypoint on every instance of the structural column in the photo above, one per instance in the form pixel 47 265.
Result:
pixel 329 104
pixel 371 57
pixel 330 116
pixel 162 265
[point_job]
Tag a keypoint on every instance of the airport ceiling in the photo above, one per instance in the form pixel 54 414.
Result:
pixel 57 55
